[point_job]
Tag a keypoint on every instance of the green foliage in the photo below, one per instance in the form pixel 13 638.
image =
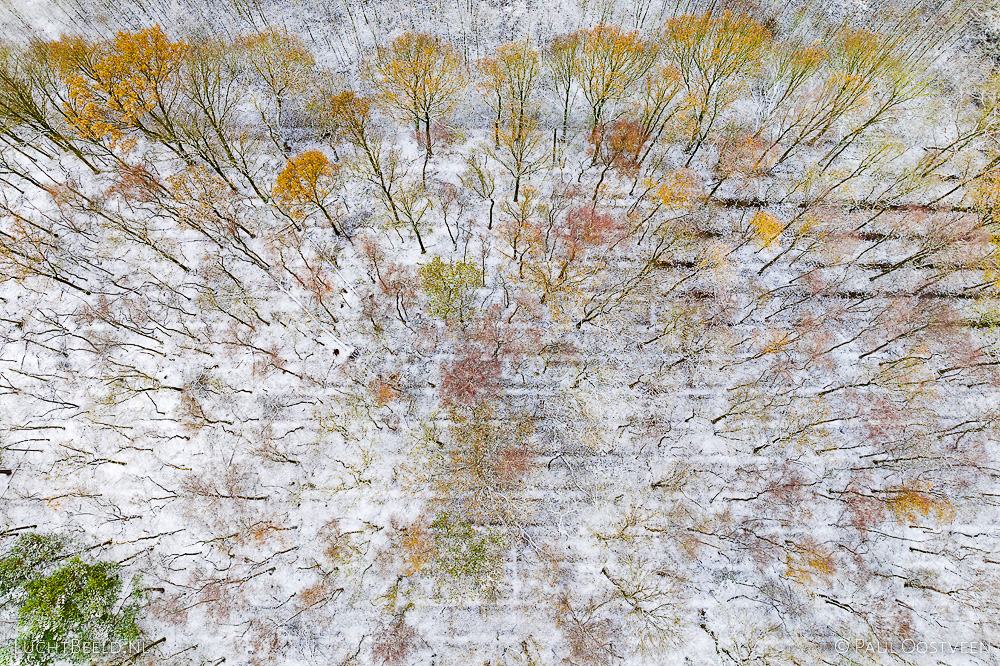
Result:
pixel 450 287
pixel 469 557
pixel 985 313
pixel 27 559
pixel 64 611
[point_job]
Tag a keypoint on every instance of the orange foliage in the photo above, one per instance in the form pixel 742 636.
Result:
pixel 711 49
pixel 714 55
pixel 386 389
pixel 909 503
pixel 343 116
pixel 417 543
pixel 113 86
pixel 766 228
pixel 810 562
pixel 419 76
pixel 584 227
pixel 621 143
pixel 305 183
pixel 610 62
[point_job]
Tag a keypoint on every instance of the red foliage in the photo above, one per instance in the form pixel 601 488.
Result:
pixel 507 336
pixel 621 144
pixel 514 462
pixel 134 182
pixel 585 227
pixel 496 337
pixel 394 290
pixel 472 377
pixel 395 643
pixel 862 510
pixel 883 420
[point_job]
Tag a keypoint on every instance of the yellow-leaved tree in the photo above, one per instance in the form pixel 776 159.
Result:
pixel 336 115
pixel 419 76
pixel 30 94
pixel 282 64
pixel 610 62
pixel 563 64
pixel 765 228
pixel 114 87
pixel 306 184
pixel 910 503
pixel 348 117
pixel 714 55
pixel 510 77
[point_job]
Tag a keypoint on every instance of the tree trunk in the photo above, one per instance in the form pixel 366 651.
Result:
pixel 420 240
pixel 427 135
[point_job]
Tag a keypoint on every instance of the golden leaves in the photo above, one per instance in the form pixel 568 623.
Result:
pixel 810 562
pixel 69 55
pixel 773 341
pixel 985 194
pixel 280 59
pixel 710 48
pixel 112 86
pixel 715 54
pixel 386 389
pixel 909 503
pixel 512 71
pixel 858 51
pixel 678 189
pixel 307 180
pixel 766 228
pixel 344 115
pixel 809 58
pixel 509 78
pixel 418 548
pixel 418 75
pixel 206 201
pixel 610 62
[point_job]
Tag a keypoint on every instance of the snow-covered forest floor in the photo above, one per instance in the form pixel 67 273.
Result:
pixel 374 332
